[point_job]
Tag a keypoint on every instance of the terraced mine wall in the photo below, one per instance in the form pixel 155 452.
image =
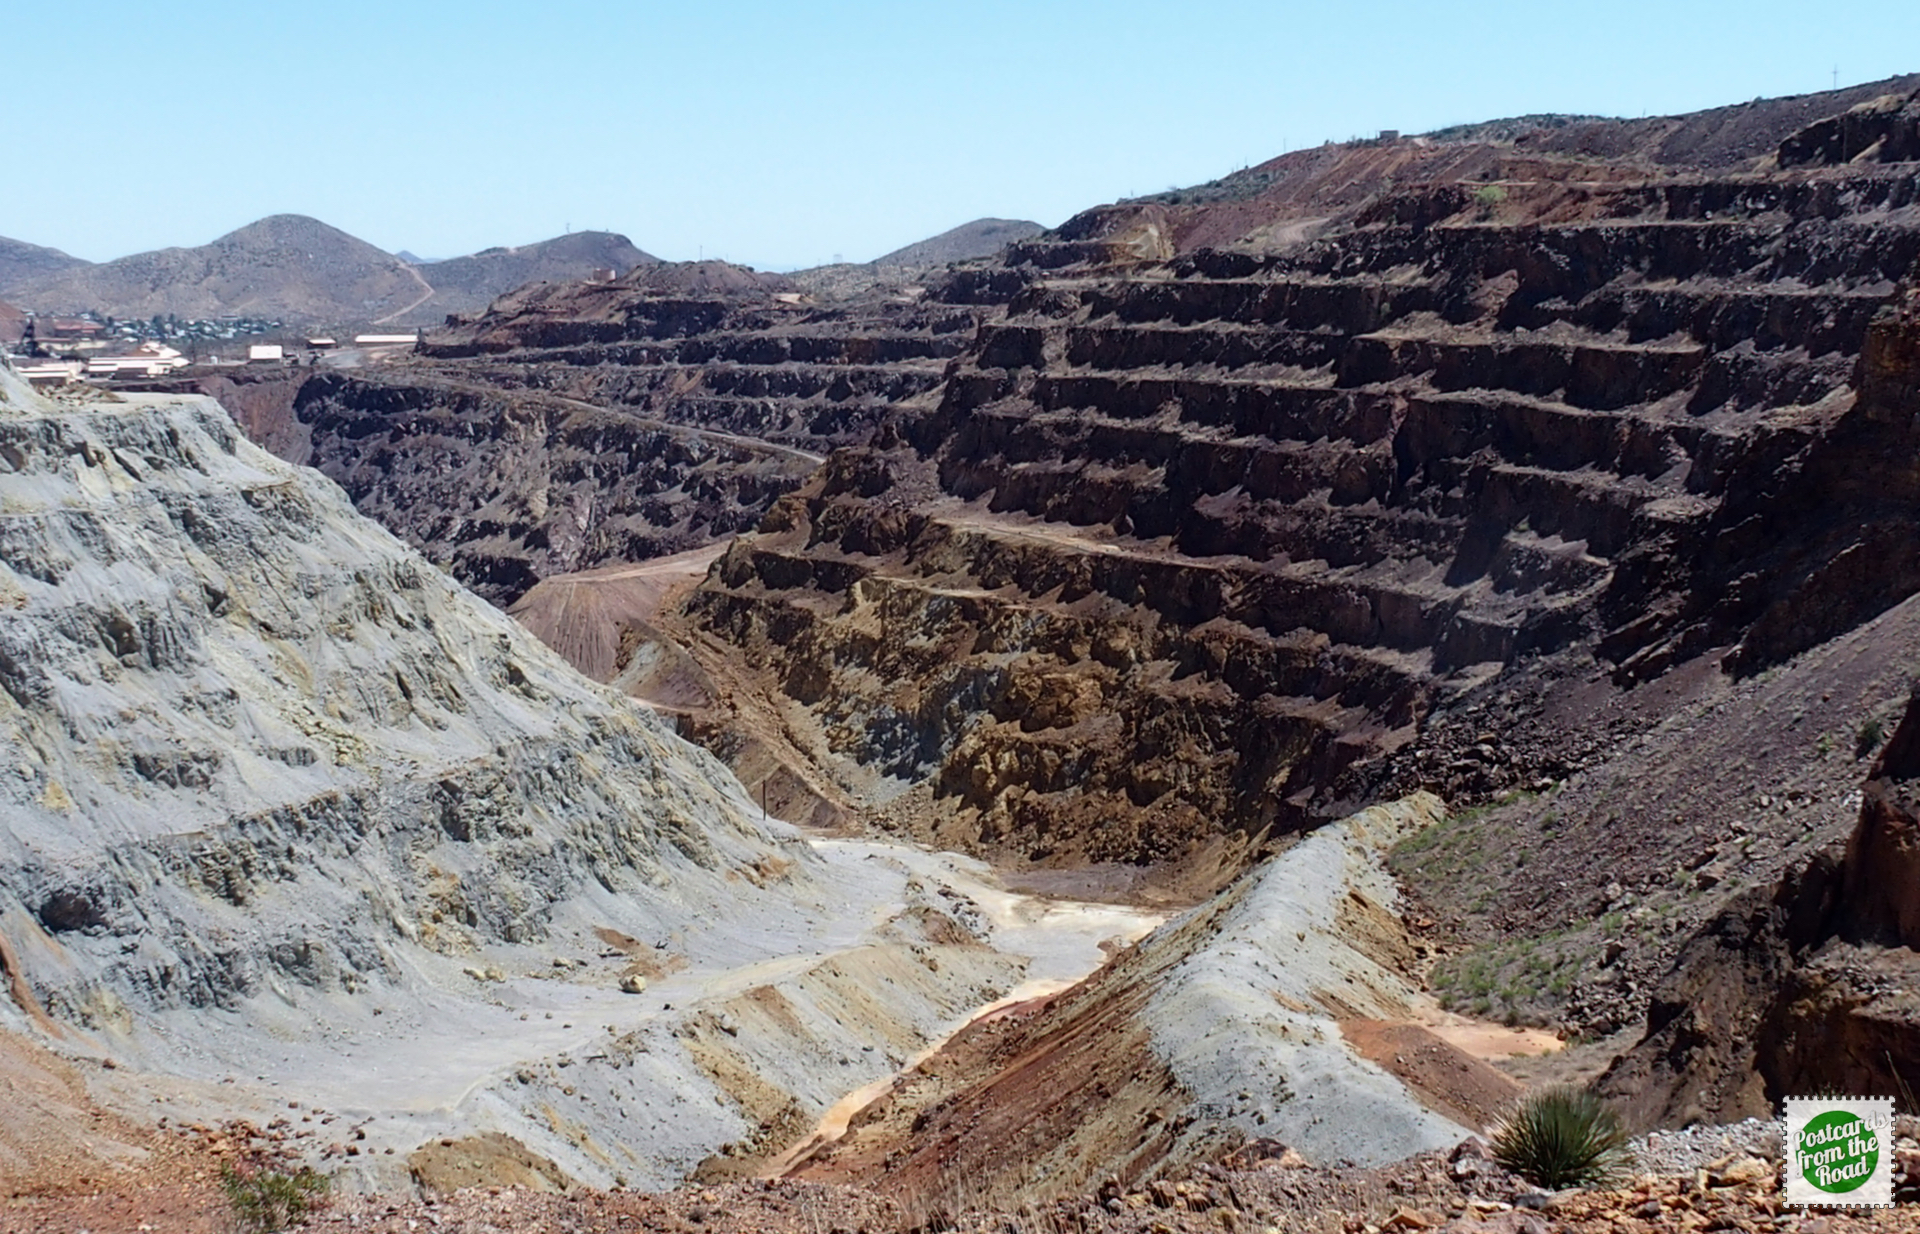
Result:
pixel 717 346
pixel 245 725
pixel 580 425
pixel 1129 551
pixel 517 487
pixel 1218 542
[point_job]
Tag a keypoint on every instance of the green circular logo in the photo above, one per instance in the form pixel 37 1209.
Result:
pixel 1837 1151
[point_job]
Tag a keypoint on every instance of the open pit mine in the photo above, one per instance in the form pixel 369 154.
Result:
pixel 1188 723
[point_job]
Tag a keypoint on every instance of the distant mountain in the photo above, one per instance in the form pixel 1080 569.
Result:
pixel 285 266
pixel 300 269
pixel 469 284
pixel 21 263
pixel 980 238
pixel 894 272
pixel 13 323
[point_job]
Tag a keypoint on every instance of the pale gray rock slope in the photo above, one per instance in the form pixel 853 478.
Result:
pixel 1242 1019
pixel 251 737
pixel 286 814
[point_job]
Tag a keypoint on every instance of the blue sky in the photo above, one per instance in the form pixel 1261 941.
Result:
pixel 783 134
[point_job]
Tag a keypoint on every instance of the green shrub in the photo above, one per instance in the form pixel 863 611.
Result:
pixel 1867 740
pixel 1562 1137
pixel 267 1201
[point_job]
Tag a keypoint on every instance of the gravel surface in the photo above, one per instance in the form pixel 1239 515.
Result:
pixel 1694 1148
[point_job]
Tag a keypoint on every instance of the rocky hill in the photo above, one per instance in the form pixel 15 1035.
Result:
pixel 285 266
pixel 22 263
pixel 903 271
pixel 301 270
pixel 980 238
pixel 469 284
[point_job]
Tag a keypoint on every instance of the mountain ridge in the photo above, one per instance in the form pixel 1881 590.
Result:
pixel 304 270
pixel 299 268
pixel 981 237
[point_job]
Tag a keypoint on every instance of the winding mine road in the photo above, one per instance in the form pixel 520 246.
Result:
pixel 755 444
pixel 424 286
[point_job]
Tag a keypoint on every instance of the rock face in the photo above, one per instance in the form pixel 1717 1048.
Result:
pixel 1880 885
pixel 525 485
pixel 245 726
pixel 286 813
pixel 1882 130
pixel 1224 1026
pixel 1197 548
pixel 1804 987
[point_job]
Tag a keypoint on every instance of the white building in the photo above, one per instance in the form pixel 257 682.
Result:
pixel 147 360
pixel 48 372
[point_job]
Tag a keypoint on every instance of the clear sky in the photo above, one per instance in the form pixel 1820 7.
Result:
pixel 784 133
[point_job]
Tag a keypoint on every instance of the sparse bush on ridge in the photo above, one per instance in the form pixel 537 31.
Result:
pixel 1562 1137
pixel 268 1201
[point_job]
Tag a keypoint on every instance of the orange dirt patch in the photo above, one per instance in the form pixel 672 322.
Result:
pixel 582 616
pixel 1494 1042
pixel 1445 1077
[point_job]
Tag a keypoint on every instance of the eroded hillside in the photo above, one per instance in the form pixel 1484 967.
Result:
pixel 291 817
pixel 1564 470
pixel 1209 517
pixel 1530 467
pixel 1216 545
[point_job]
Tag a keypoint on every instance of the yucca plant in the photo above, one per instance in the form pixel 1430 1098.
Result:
pixel 1562 1137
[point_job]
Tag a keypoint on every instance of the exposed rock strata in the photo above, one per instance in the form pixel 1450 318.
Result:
pixel 1196 550
pixel 1217 1029
pixel 1804 987
pixel 578 425
pixel 287 813
pixel 526 485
